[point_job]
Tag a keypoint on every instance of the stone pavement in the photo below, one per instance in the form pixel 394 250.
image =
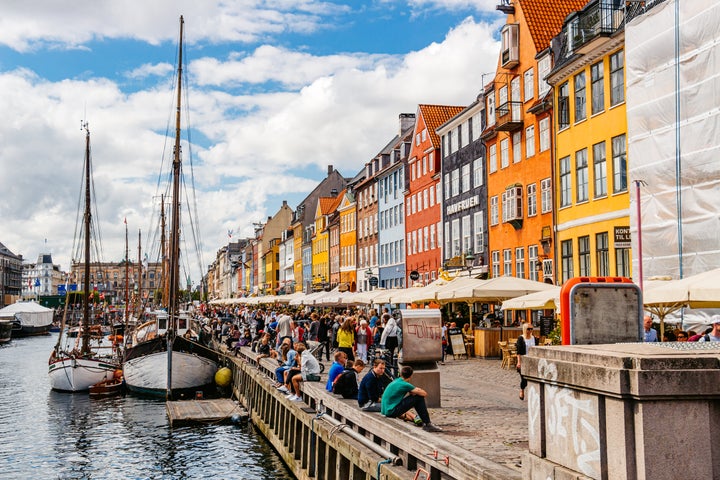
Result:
pixel 480 410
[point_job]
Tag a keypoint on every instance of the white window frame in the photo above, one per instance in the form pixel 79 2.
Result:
pixel 530 141
pixel 532 200
pixel 544 127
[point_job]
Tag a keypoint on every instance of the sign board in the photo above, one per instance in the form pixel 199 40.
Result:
pixel 457 342
pixel 373 281
pixel 622 237
pixel 598 310
pixel 414 275
pixel 421 335
pixel 547 325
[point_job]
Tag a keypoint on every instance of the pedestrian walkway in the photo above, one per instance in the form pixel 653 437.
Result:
pixel 480 410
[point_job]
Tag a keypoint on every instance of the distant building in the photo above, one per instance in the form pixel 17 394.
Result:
pixel 42 278
pixel 10 276
pixel 108 279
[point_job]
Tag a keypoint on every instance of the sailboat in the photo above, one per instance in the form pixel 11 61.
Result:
pixel 81 363
pixel 164 357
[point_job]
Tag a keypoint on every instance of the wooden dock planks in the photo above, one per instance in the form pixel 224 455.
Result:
pixel 202 411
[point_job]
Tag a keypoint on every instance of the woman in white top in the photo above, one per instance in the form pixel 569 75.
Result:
pixel 389 336
pixel 524 342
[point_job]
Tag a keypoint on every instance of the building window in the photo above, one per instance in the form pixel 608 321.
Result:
pixel 619 164
pixel 490 110
pixel 599 170
pixel 509 45
pixel 464 134
pixel 532 200
pixel 479 230
pixel 529 84
pixel 566 255
pixel 494 210
pixel 467 234
pixel 580 100
pixel 447 186
pixel 543 71
pixel 622 262
pixel 517 153
pixel 545 134
pixel 546 196
pixel 617 78
pixel 512 208
pixel 581 175
pixel 465 178
pixel 493 158
pixel 504 153
pixel 478 177
pixel 520 262
pixel 455 182
pixel 603 254
pixel 533 262
pixel 476 126
pixel 584 255
pixel 565 185
pixel 507 262
pixel 496 263
pixel 564 106
pixel 530 141
pixel 455 229
pixel 597 87
pixel 448 252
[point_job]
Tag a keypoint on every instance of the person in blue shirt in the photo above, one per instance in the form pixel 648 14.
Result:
pixel 649 333
pixel 371 387
pixel 336 369
pixel 401 395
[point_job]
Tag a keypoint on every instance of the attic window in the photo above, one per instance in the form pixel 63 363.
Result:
pixel 510 52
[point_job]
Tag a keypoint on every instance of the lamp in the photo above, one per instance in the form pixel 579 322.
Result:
pixel 469 259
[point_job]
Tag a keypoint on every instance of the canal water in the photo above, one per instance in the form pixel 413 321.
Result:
pixel 50 435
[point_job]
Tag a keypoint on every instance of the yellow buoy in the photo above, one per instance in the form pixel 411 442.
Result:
pixel 223 377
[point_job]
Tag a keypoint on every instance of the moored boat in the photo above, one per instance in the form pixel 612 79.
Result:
pixel 5 331
pixel 28 318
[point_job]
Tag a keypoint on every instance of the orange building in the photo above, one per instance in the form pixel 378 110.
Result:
pixel 423 221
pixel 518 139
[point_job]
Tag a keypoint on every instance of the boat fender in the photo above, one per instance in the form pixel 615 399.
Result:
pixel 223 377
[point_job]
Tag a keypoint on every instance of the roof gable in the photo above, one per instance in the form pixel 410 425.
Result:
pixel 544 18
pixel 435 115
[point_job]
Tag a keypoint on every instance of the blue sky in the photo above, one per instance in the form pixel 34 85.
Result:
pixel 278 90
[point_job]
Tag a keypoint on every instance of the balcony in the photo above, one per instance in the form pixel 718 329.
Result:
pixel 508 117
pixel 593 24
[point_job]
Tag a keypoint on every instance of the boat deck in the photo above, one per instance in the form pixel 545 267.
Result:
pixel 203 411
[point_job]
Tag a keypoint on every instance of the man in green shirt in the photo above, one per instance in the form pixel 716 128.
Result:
pixel 401 395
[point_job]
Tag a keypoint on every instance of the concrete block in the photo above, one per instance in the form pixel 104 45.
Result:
pixel 428 380
pixel 536 468
pixel 619 439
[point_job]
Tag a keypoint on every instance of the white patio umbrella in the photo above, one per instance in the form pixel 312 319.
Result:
pixel 696 291
pixel 542 300
pixel 425 293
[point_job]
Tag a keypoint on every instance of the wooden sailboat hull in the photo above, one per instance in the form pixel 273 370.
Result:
pixel 69 374
pixel 147 374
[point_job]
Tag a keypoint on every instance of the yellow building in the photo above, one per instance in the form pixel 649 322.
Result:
pixel 348 242
pixel 592 224
pixel 321 242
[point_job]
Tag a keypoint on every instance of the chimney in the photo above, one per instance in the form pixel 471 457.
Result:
pixel 330 169
pixel 407 120
pixel 285 203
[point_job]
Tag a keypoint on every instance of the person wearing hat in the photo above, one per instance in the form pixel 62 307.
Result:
pixel 714 335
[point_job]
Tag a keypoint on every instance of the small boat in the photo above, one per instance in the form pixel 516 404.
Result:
pixel 77 364
pixel 28 318
pixel 108 387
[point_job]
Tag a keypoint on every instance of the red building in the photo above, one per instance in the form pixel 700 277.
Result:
pixel 423 222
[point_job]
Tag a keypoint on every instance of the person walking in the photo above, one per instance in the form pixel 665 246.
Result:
pixel 523 343
pixel 346 338
pixel 389 336
pixel 363 340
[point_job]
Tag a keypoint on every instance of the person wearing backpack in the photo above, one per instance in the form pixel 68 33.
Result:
pixel 346 384
pixel 714 334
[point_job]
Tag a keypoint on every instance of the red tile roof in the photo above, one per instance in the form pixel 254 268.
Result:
pixel 544 18
pixel 436 115
pixel 330 204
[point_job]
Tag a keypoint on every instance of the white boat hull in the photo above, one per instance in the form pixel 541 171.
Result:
pixel 69 374
pixel 148 373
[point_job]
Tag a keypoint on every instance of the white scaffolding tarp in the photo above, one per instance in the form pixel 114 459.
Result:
pixel 679 200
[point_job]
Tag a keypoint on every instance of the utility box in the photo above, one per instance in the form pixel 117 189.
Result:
pixel 597 310
pixel 422 349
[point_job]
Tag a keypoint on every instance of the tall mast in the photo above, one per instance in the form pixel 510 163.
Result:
pixel 163 248
pixel 127 274
pixel 85 348
pixel 139 296
pixel 175 224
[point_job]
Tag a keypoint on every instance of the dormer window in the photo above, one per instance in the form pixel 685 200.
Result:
pixel 509 55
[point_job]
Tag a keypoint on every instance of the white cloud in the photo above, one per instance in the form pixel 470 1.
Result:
pixel 251 149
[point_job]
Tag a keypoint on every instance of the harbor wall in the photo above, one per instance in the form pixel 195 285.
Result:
pixel 328 438
pixel 623 411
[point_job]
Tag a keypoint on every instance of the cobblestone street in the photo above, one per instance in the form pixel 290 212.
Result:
pixel 481 411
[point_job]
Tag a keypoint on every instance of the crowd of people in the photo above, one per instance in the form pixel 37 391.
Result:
pixel 708 334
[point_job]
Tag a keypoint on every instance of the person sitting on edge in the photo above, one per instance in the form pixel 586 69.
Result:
pixel 371 387
pixel 346 384
pixel 309 371
pixel 336 369
pixel 286 361
pixel 263 348
pixel 401 395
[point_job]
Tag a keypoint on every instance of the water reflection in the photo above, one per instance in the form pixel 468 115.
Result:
pixel 50 435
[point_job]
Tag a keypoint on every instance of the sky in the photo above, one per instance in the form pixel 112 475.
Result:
pixel 277 90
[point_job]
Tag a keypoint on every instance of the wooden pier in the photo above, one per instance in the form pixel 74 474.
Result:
pixel 219 410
